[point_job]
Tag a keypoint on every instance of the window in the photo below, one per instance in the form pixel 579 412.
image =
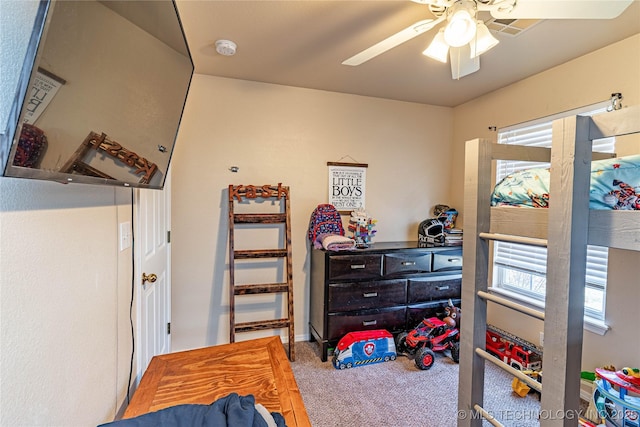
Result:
pixel 521 269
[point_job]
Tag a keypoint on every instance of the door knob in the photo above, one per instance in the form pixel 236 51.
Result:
pixel 151 278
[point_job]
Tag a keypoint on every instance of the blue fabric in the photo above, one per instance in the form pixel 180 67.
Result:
pixel 232 410
pixel 615 184
pixel 529 188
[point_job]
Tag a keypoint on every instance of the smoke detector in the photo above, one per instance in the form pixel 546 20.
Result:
pixel 226 47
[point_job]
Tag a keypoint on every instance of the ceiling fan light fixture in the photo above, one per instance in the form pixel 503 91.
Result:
pixel 483 42
pixel 438 49
pixel 461 28
pixel 462 64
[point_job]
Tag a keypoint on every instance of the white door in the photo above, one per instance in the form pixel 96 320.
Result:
pixel 153 261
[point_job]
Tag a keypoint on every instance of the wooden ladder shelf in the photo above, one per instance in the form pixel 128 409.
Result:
pixel 238 194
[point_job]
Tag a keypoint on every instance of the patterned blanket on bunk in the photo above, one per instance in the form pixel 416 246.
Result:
pixel 615 184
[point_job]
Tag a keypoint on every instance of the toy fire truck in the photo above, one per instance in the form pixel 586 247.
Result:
pixel 512 350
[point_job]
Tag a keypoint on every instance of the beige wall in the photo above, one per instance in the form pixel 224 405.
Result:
pixel 586 80
pixel 64 308
pixel 65 339
pixel 284 134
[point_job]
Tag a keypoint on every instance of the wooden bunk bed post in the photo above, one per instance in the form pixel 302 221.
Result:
pixel 565 228
pixel 566 270
pixel 475 266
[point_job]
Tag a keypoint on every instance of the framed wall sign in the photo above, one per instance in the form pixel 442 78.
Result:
pixel 45 86
pixel 347 185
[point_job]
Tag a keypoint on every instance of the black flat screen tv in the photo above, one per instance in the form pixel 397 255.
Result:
pixel 101 94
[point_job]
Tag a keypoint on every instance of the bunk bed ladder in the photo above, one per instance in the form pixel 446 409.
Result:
pixel 566 266
pixel 237 194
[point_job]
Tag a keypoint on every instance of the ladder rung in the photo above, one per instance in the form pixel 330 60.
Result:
pixel 263 288
pixel 512 305
pixel 262 325
pixel 487 416
pixel 513 371
pixel 259 218
pixel 260 253
pixel 514 239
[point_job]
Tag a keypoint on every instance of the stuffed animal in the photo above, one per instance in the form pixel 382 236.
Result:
pixel 362 227
pixel 452 318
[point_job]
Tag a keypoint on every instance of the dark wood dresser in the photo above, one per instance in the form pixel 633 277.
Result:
pixel 390 285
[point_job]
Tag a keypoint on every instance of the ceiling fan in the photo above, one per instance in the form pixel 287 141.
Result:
pixel 465 37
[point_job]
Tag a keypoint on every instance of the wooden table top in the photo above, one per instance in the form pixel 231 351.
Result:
pixel 259 367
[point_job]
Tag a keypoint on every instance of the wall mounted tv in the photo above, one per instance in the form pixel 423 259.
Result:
pixel 101 94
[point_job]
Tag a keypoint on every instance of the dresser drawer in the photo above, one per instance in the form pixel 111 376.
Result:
pixel 355 267
pixel 358 296
pixel 403 263
pixel 447 261
pixel 391 319
pixel 417 312
pixel 434 288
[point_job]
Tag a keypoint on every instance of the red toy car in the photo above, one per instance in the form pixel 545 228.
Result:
pixel 429 336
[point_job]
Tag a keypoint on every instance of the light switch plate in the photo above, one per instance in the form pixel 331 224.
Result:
pixel 125 235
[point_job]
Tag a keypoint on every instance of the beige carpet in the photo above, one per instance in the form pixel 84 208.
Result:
pixel 397 393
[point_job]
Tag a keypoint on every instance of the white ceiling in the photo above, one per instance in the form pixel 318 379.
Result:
pixel 303 42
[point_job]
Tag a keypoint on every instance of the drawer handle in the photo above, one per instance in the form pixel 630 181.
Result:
pixel 357 266
pixel 454 260
pixel 369 322
pixel 406 263
pixel 442 288
pixel 370 294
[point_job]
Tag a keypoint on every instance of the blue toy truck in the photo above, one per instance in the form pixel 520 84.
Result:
pixel 364 348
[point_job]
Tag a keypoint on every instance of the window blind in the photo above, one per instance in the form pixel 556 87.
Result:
pixel 527 261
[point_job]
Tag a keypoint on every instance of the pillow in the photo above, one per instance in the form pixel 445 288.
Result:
pixel 528 187
pixel 615 183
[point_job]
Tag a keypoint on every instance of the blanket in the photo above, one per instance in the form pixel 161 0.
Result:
pixel 614 184
pixel 232 410
pixel 334 242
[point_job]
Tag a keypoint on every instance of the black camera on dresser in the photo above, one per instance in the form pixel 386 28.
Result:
pixel 390 285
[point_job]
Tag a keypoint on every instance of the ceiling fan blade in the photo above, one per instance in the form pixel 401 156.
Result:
pixel 462 64
pixel 393 41
pixel 564 9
